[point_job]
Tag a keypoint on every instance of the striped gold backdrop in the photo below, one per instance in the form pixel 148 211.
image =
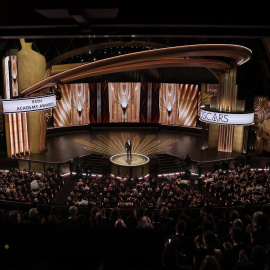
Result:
pixel 124 101
pixel 168 97
pixel 73 108
pixel 178 104
pixel 187 105
pixel 62 113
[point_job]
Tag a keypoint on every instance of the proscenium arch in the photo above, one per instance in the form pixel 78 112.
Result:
pixel 184 56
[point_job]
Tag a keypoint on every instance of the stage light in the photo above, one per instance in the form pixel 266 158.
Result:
pixel 58 94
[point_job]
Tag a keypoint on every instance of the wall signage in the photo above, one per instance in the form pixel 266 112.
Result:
pixel 30 104
pixel 227 118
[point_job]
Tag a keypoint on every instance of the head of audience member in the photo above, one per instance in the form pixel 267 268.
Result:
pixel 164 212
pixel 210 263
pixel 55 211
pixel 34 216
pixel 120 224
pixel 180 227
pixel 255 218
pixel 258 257
pixel 266 210
pixel 140 212
pixel 234 214
pixel 237 235
pixel 147 223
pixel 144 223
pixel 262 222
pixel 14 217
pixel 209 240
pixel 238 223
pixel 115 215
pixel 93 212
pixel 73 211
pixel 208 224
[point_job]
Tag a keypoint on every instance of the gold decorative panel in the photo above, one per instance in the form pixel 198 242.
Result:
pixel 178 104
pixel 187 105
pixel 261 123
pixel 168 103
pixel 124 102
pixel 73 108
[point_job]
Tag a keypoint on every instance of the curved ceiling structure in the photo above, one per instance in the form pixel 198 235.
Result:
pixel 103 45
pixel 215 57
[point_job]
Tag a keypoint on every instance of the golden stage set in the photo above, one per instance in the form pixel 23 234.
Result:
pixel 137 166
pixel 168 104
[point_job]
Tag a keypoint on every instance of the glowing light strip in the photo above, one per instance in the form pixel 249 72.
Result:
pixel 7 90
pixel 30 104
pixel 226 118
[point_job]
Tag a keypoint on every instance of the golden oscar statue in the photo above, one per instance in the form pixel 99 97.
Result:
pixel 32 68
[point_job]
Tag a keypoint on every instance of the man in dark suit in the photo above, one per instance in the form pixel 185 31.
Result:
pixel 231 251
pixel 128 148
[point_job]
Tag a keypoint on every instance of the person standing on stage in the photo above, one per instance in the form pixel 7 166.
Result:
pixel 128 148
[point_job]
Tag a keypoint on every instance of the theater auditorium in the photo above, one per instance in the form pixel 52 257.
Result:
pixel 134 136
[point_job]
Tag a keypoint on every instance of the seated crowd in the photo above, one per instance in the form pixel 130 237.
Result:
pixel 124 192
pixel 233 187
pixel 230 239
pixel 29 186
pixel 226 188
pixel 194 233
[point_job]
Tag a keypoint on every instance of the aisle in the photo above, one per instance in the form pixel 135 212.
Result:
pixel 61 196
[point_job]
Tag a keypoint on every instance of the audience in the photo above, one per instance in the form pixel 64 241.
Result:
pixel 150 193
pixel 29 186
pixel 192 236
pixel 234 187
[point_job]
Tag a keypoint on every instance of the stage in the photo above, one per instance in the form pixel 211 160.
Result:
pixel 134 166
pixel 110 141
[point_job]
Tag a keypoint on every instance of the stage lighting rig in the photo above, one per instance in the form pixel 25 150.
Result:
pixel 58 94
pixel 57 89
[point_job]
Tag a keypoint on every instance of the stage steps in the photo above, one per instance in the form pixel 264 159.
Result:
pixel 94 161
pixel 167 164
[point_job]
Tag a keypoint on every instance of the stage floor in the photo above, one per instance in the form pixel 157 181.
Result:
pixel 109 142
